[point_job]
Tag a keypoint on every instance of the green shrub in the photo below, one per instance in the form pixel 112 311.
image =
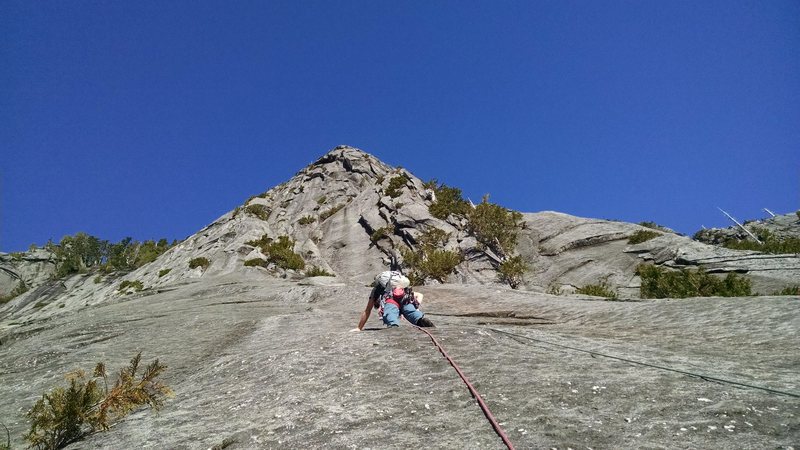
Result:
pixel 315 271
pixel 135 284
pixel 511 271
pixel 640 236
pixel 260 242
pixel 769 243
pixel 434 264
pixel 601 289
pixel 322 200
pixel 798 214
pixel 256 262
pixel 658 282
pixel 16 292
pixel 654 226
pixel 280 252
pixel 380 179
pixel 199 262
pixel 381 233
pixel 81 252
pixel 163 272
pixel 98 279
pixel 396 184
pixel 325 214
pixel 67 414
pixel 307 220
pixel 449 201
pixel 789 290
pixel 494 226
pixel 258 210
pixel 428 261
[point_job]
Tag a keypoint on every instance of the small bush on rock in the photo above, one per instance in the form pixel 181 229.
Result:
pixel 396 184
pixel 494 226
pixel 66 414
pixel 307 220
pixel 163 272
pixel 602 289
pixel 280 252
pixel 325 214
pixel 258 210
pixel 448 201
pixel 658 282
pixel 199 262
pixel 429 262
pixel 381 233
pixel 769 243
pixel 654 226
pixel 511 271
pixel 789 290
pixel 136 285
pixel 256 262
pixel 640 236
pixel 315 271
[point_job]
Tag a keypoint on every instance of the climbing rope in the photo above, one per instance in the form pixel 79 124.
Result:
pixel 486 411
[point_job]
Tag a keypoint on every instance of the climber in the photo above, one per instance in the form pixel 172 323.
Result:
pixel 392 296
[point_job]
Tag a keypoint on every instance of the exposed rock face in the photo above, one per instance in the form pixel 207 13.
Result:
pixel 781 226
pixel 568 252
pixel 32 268
pixel 262 355
pixel 342 218
pixel 270 364
pixel 330 209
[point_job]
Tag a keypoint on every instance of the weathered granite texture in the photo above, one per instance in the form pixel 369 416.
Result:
pixel 264 356
pixel 271 364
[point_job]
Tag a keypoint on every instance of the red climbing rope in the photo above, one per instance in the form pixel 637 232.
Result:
pixel 497 428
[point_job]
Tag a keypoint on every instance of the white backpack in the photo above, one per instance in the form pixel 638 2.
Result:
pixel 391 279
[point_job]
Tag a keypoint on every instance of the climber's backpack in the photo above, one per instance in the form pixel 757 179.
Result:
pixel 393 285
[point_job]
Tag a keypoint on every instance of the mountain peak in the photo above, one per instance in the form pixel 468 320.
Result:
pixel 352 159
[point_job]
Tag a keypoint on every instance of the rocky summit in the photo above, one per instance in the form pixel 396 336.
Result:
pixel 259 352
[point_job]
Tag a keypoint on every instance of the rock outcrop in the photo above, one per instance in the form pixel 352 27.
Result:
pixel 781 226
pixel 30 269
pixel 269 363
pixel 260 357
pixel 346 211
pixel 568 252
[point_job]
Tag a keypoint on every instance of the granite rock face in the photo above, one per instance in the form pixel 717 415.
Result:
pixel 782 226
pixel 269 363
pixel 348 210
pixel 263 356
pixel 568 252
pixel 32 268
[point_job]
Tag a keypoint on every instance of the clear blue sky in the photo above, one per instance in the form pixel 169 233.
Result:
pixel 152 119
